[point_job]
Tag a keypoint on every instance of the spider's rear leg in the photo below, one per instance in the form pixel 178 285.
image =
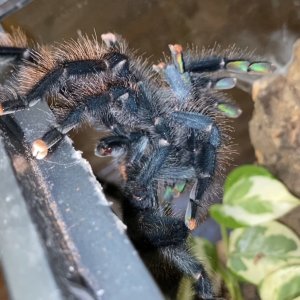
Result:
pixel 41 146
pixel 214 64
pixel 89 106
pixel 181 258
pixel 153 233
pixel 17 53
pixel 93 107
pixel 57 78
pixel 13 105
pixel 150 230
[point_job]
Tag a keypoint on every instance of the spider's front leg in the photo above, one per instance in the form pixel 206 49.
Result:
pixel 190 73
pixel 217 62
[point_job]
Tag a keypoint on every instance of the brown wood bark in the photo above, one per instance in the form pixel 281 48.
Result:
pixel 275 125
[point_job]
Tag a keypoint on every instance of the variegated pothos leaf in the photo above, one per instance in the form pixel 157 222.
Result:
pixel 255 252
pixel 282 284
pixel 252 201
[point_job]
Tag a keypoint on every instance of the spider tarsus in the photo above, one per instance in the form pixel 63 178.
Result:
pixel 192 224
pixel 39 149
pixel 238 66
pixel 261 68
pixel 176 51
pixel 109 39
pixel 225 83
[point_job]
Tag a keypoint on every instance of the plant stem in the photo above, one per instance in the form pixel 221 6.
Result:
pixel 225 238
pixel 231 283
pixel 228 277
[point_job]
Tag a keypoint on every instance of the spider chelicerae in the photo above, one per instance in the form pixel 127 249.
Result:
pixel 166 126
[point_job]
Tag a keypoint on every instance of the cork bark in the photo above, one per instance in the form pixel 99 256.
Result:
pixel 275 125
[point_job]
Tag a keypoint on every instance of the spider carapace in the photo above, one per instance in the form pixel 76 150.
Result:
pixel 166 127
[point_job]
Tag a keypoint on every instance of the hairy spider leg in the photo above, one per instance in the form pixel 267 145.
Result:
pixel 16 103
pixel 155 230
pixel 151 231
pixel 214 64
pixel 183 83
pixel 181 257
pixel 15 52
pixel 56 79
pixel 204 160
pixel 183 78
pixel 142 178
pixel 93 107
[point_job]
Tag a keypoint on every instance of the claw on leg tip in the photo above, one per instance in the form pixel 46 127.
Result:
pixel 175 49
pixel 192 224
pixel 109 38
pixel 39 149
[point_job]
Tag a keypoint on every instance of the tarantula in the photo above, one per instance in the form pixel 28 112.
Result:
pixel 162 130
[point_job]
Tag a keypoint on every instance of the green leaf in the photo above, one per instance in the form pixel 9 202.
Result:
pixel 238 191
pixel 282 284
pixel 256 206
pixel 237 263
pixel 256 251
pixel 226 215
pixel 185 289
pixel 205 251
pixel 255 200
pixel 243 172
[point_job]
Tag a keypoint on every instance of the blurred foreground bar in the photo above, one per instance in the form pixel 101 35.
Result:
pixel 58 236
pixel 9 6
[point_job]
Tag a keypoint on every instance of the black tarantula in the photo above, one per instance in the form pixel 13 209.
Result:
pixel 163 130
